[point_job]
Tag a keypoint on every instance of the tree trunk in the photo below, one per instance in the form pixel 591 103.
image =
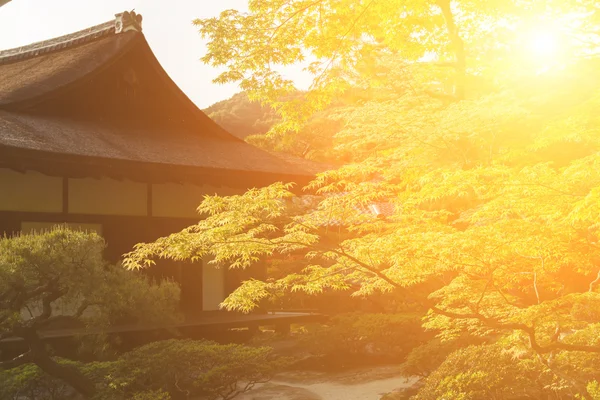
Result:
pixel 66 373
pixel 458 47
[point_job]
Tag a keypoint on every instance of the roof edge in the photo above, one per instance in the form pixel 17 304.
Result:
pixel 200 116
pixel 59 164
pixel 123 22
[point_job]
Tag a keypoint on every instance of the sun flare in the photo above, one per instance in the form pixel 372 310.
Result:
pixel 544 43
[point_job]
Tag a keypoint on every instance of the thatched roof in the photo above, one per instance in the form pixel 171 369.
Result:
pixel 99 97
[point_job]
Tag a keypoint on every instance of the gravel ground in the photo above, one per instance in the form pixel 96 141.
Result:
pixel 364 384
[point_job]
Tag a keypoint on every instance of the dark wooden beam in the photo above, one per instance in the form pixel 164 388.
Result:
pixel 149 199
pixel 90 218
pixel 65 195
pixel 76 166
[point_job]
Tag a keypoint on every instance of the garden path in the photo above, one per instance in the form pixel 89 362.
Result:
pixel 361 384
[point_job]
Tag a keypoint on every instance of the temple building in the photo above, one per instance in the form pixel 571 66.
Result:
pixel 94 134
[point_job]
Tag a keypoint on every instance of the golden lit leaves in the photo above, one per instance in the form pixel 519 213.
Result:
pixel 492 202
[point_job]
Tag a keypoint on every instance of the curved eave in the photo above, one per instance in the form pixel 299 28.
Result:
pixel 75 166
pixel 185 101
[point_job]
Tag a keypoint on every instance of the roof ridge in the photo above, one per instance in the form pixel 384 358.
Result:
pixel 121 23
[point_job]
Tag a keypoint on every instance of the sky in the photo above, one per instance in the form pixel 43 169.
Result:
pixel 167 26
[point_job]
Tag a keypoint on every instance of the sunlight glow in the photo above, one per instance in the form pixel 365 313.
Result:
pixel 544 46
pixel 544 43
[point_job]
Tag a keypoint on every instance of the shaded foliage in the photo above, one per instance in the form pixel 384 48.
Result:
pixel 427 357
pixel 359 339
pixel 193 369
pixel 59 279
pixel 385 337
pixel 30 382
pixel 165 370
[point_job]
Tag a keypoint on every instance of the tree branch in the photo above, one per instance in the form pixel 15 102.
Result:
pixel 510 303
pixel 67 373
pixel 368 268
pixel 81 309
pixel 487 284
pixel 291 16
pixel 23 359
pixel 335 52
pixel 530 331
pixel 535 285
pixel 46 308
pixel 592 283
pixel 458 47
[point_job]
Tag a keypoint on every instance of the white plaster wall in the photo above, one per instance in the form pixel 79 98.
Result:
pixel 182 200
pixel 107 197
pixel 176 200
pixel 29 191
pixel 213 287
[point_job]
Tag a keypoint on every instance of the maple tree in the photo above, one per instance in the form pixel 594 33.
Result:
pixel 481 136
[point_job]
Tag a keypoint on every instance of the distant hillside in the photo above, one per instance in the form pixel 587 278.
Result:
pixel 250 121
pixel 241 117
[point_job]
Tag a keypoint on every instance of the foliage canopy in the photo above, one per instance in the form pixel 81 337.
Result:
pixel 484 145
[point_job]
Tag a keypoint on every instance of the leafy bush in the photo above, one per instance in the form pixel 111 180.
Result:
pixel 165 370
pixel 489 372
pixel 31 383
pixel 380 337
pixel 152 395
pixel 593 389
pixel 426 358
pixel 403 394
pixel 195 369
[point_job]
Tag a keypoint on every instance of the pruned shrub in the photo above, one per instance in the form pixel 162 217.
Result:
pixel 165 370
pixel 488 372
pixel 193 369
pixel 356 338
pixel 427 357
pixel 31 383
